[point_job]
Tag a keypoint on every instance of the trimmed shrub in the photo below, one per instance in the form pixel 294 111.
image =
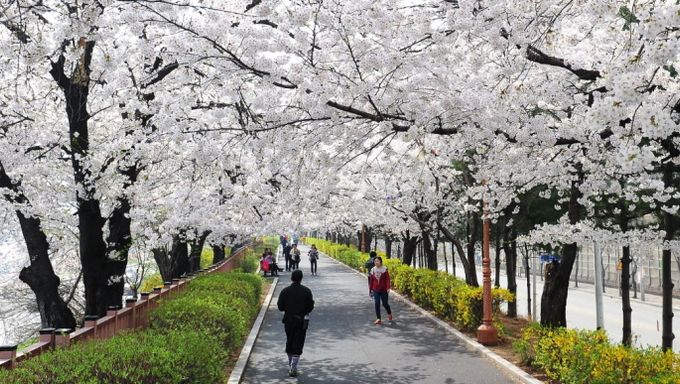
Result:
pixel 573 356
pixel 137 357
pixel 189 342
pixel 207 257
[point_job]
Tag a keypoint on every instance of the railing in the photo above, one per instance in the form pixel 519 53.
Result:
pixel 135 315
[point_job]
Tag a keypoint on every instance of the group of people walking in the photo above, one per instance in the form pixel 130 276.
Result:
pixel 297 301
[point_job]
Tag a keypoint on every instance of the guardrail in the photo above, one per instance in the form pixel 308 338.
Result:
pixel 135 315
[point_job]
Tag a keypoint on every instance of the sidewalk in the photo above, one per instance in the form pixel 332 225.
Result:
pixel 343 345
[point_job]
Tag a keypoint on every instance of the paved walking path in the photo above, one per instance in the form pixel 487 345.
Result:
pixel 343 345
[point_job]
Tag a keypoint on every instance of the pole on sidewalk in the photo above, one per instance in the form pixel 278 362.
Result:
pixel 533 278
pixel 486 333
pixel 598 285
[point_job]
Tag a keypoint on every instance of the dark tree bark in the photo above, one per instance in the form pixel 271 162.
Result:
pixel 197 245
pixel 367 239
pixel 468 268
pixel 473 226
pixel 410 244
pixel 218 252
pixel 388 246
pixel 103 266
pixel 670 227
pixel 39 275
pixel 163 262
pixel 556 282
pixel 625 281
pixel 179 255
pixel 334 237
pixel 497 260
pixel 429 252
pixel 510 250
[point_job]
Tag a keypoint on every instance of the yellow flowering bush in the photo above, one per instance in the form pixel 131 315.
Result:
pixel 572 356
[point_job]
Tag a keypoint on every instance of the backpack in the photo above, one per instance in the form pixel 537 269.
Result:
pixel 370 263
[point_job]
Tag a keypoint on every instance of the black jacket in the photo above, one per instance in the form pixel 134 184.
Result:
pixel 296 301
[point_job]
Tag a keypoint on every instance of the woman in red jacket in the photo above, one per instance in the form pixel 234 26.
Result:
pixel 378 288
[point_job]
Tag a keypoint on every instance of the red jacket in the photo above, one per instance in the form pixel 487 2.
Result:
pixel 379 282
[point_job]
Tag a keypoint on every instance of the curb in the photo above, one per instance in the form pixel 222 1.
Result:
pixel 239 368
pixel 510 368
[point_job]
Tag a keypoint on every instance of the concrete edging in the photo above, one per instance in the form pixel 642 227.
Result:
pixel 513 370
pixel 239 368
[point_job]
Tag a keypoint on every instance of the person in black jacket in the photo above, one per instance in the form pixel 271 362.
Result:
pixel 286 256
pixel 296 302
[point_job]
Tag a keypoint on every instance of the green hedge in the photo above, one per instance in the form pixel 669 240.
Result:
pixel 449 297
pixel 572 356
pixel 189 341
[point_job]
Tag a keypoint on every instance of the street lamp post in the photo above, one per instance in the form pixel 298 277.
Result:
pixel 486 333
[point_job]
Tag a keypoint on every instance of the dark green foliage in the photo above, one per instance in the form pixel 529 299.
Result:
pixel 190 339
pixel 131 358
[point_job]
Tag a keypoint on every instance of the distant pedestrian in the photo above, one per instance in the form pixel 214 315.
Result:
pixel 313 258
pixel 295 256
pixel 286 256
pixel 296 301
pixel 378 289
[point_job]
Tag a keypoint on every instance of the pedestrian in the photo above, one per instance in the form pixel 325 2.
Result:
pixel 370 262
pixel 286 256
pixel 313 257
pixel 296 302
pixel 378 289
pixel 295 256
pixel 273 267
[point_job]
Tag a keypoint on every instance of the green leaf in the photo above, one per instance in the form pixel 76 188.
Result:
pixel 671 69
pixel 628 16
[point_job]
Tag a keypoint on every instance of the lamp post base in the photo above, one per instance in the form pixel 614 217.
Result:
pixel 487 335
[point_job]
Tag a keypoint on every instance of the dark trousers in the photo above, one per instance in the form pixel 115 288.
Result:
pixel 313 265
pixel 377 298
pixel 289 263
pixel 295 338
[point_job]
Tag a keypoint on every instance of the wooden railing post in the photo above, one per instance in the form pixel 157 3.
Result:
pixel 62 337
pixel 113 311
pixel 132 304
pixel 47 336
pixel 8 355
pixel 91 322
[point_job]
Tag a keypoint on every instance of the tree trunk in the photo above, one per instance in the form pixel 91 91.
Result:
pixel 510 250
pixel 473 225
pixel 39 275
pixel 118 243
pixel 367 239
pixel 556 282
pixel 410 244
pixel 625 296
pixel 197 245
pixel 163 262
pixel 669 226
pixel 429 252
pixel 497 260
pixel 218 253
pixel 179 256
pixel 388 247
pixel 469 269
